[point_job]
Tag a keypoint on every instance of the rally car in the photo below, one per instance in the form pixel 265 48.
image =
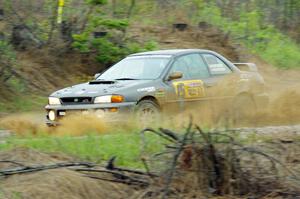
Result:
pixel 148 83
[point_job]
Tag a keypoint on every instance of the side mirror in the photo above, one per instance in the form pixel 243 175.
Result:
pixel 97 75
pixel 175 75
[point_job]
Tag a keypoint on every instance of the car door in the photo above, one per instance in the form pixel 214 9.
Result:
pixel 192 86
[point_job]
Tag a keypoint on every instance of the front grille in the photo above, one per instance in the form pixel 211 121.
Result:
pixel 76 100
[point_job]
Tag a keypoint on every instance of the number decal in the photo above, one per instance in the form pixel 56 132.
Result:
pixel 189 89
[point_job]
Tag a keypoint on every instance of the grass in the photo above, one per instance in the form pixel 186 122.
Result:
pixel 23 104
pixel 125 146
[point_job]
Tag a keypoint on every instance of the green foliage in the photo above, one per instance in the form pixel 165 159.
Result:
pixel 111 48
pixel 6 52
pixel 107 52
pixel 96 2
pixel 16 84
pixel 81 42
pixel 107 49
pixel 262 39
pixel 23 104
pixel 119 24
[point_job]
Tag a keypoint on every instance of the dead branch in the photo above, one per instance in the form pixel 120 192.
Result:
pixel 169 177
pixel 29 169
pixel 12 162
pixel 161 134
pixel 120 176
pixel 117 171
pixel 136 182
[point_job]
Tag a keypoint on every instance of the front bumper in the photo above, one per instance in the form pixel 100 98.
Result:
pixel 105 109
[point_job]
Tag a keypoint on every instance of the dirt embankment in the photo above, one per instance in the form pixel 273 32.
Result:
pixel 54 183
pixel 46 70
pixel 193 37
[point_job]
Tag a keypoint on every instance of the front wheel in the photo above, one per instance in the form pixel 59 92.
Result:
pixel 147 112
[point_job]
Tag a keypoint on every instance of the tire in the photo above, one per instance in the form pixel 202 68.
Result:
pixel 147 112
pixel 244 108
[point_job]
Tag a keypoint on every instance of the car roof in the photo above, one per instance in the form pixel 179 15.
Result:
pixel 171 52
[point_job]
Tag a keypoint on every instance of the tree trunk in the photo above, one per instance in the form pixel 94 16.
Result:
pixel 53 22
pixel 132 5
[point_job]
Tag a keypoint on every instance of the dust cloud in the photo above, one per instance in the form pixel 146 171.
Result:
pixel 283 109
pixel 75 124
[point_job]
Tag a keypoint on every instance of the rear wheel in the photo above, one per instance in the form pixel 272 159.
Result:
pixel 147 112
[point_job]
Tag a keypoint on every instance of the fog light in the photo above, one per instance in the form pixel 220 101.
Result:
pixel 113 110
pixel 52 115
pixel 100 113
pixel 85 112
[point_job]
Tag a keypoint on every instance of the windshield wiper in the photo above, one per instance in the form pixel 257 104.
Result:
pixel 125 78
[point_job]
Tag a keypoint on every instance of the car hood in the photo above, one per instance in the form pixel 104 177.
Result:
pixel 98 88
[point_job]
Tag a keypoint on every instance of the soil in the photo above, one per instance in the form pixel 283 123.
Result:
pixel 56 183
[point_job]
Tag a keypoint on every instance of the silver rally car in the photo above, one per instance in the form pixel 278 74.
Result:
pixel 150 82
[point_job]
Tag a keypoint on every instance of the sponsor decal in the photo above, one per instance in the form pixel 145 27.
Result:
pixel 194 84
pixel 67 92
pixel 160 93
pixel 80 92
pixel 93 92
pixel 243 80
pixel 245 76
pixel 147 89
pixel 188 89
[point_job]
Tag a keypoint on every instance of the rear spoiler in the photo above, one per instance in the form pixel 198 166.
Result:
pixel 250 67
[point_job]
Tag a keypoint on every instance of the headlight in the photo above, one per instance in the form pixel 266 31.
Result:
pixel 109 99
pixel 52 115
pixel 54 101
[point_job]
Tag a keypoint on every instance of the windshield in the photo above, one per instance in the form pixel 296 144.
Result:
pixel 139 67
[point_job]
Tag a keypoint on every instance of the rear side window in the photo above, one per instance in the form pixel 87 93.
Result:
pixel 215 65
